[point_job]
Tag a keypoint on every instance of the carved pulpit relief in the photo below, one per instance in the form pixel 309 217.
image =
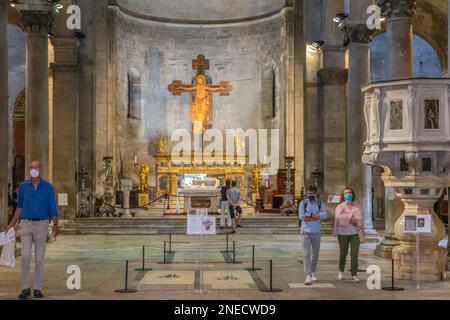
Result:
pixel 431 114
pixel 201 94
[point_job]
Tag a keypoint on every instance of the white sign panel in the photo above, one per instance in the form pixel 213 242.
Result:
pixel 63 200
pixel 7 237
pixel 334 198
pixel 420 223
pixel 200 224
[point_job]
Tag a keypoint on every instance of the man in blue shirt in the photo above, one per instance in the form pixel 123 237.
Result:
pixel 35 208
pixel 311 212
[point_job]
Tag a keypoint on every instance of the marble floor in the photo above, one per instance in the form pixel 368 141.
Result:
pixel 101 260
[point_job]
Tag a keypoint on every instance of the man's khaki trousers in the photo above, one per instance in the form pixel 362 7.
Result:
pixel 33 232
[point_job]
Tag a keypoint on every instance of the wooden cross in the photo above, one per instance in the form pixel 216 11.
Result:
pixel 201 64
pixel 200 91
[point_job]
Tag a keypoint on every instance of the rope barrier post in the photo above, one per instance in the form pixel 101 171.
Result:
pixel 165 243
pixel 234 251
pixel 170 244
pixel 226 251
pixel 393 287
pixel 126 289
pixel 271 288
pixel 253 261
pixel 143 268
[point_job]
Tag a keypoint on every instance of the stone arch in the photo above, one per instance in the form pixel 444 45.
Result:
pixel 134 94
pixel 430 24
pixel 426 61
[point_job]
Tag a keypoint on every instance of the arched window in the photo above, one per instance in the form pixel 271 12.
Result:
pixel 134 95
pixel 426 63
pixel 269 92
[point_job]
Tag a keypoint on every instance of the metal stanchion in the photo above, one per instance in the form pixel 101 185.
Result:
pixel 253 261
pixel 126 289
pixel 393 287
pixel 165 245
pixel 143 268
pixel 226 251
pixel 170 244
pixel 270 289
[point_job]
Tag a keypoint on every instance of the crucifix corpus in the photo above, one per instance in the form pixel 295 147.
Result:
pixel 200 91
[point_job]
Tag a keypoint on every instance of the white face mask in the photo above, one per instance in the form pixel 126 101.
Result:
pixel 34 173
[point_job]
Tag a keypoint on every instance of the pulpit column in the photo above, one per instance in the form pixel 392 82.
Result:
pixel 399 35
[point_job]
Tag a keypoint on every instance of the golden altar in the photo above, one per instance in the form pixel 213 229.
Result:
pixel 170 174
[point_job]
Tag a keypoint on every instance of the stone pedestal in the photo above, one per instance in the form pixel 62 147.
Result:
pixel 385 247
pixel 418 257
pixel 143 199
pixel 428 265
pixel 126 186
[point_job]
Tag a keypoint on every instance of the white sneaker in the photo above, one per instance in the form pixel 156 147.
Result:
pixel 340 275
pixel 355 279
pixel 313 277
pixel 308 280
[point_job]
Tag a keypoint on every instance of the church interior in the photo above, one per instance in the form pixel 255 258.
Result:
pixel 140 111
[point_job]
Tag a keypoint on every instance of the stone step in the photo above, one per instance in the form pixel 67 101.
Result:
pixel 176 225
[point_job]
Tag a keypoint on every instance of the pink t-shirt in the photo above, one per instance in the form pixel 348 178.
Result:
pixel 344 217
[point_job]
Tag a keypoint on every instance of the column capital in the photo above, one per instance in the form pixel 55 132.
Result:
pixel 357 33
pixel 64 67
pixel 397 8
pixel 37 21
pixel 332 76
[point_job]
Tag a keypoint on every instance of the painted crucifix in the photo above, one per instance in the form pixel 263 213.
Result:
pixel 201 94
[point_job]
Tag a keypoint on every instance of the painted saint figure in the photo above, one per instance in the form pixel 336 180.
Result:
pixel 200 99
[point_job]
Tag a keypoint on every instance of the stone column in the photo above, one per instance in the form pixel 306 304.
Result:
pixel 399 36
pixel 65 107
pixel 332 80
pixel 448 40
pixel 359 174
pixel 37 21
pixel 4 114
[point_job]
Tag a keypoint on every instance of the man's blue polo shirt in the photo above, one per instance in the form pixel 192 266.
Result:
pixel 39 203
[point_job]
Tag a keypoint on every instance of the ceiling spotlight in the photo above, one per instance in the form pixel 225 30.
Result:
pixel 340 17
pixel 315 45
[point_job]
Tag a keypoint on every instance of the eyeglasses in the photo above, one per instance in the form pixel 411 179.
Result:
pixel 34 167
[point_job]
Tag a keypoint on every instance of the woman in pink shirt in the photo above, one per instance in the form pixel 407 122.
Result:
pixel 348 220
